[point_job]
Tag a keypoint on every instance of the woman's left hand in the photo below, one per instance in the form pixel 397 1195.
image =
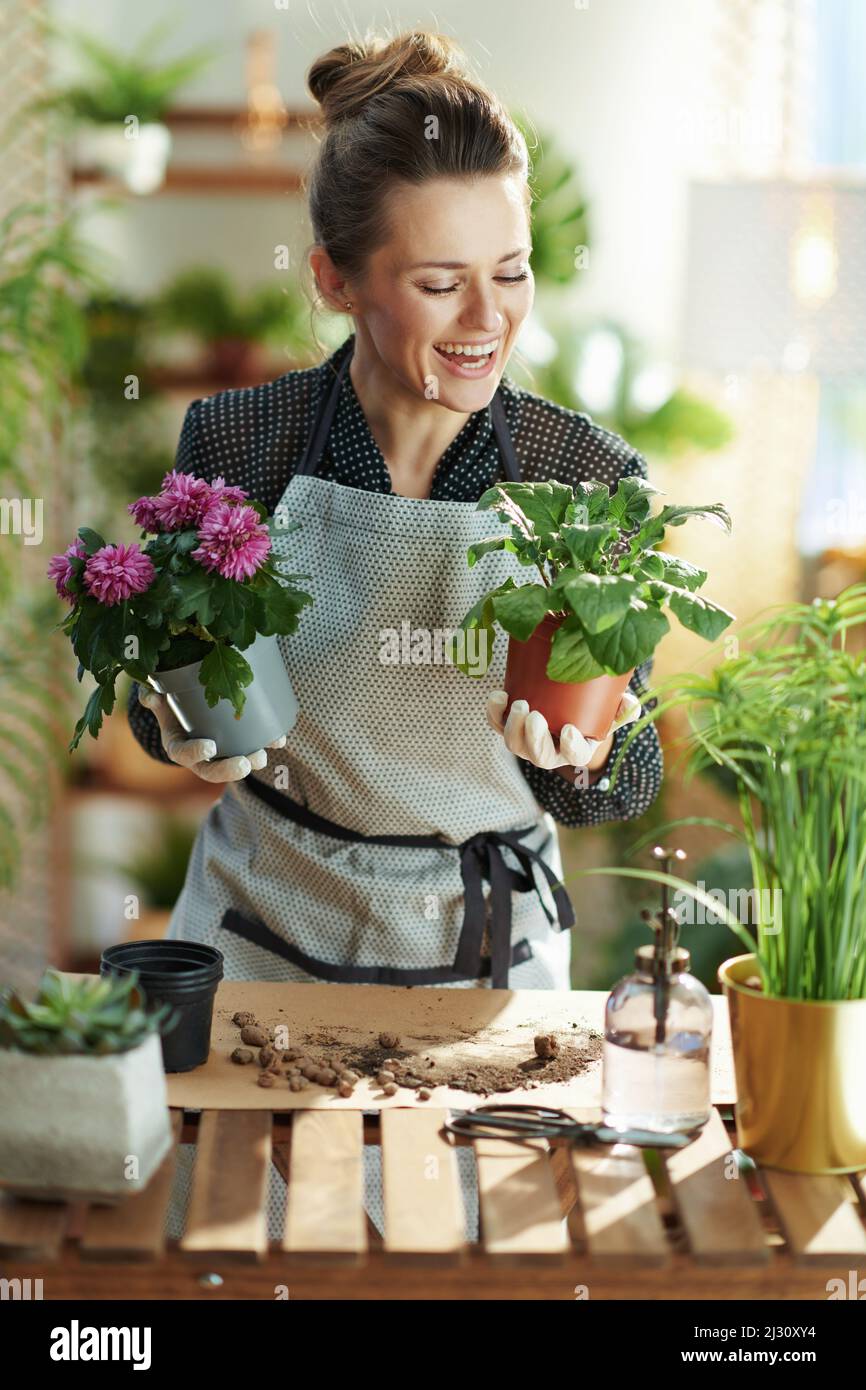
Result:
pixel 527 735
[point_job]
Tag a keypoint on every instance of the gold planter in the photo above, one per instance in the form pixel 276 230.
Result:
pixel 800 1067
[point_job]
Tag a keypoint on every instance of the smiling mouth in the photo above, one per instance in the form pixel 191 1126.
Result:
pixel 473 357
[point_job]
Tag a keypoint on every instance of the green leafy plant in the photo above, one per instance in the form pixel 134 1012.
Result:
pixel 787 718
pixel 116 85
pixel 202 589
pixel 159 868
pixel 559 213
pixel 561 233
pixel 117 329
pixel 679 422
pixel 130 452
pixel 203 301
pixel 599 571
pixel 80 1017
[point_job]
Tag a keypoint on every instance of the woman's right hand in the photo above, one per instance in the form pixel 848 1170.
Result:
pixel 199 754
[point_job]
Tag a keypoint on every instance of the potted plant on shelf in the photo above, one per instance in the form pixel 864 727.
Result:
pixel 577 636
pixel 202 301
pixel 156 870
pixel 787 718
pixel 118 107
pixel 83 1102
pixel 178 613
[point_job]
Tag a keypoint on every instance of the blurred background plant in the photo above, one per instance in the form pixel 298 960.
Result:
pixel 43 331
pixel 203 302
pixel 560 221
pixel 114 85
pixel 158 868
pixel 598 366
pixel 44 273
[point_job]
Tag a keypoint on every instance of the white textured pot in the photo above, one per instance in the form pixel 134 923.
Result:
pixel 82 1127
pixel 136 154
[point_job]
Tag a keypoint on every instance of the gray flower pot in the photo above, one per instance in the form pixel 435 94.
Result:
pixel 270 710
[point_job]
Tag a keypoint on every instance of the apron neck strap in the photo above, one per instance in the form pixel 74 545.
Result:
pixel 328 404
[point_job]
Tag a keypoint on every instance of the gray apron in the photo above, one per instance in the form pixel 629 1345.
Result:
pixel 394 840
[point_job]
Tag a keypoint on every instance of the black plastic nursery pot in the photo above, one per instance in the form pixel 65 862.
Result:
pixel 184 974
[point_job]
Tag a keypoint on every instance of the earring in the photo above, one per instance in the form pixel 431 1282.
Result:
pixel 348 304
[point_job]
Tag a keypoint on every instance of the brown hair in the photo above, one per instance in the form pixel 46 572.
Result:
pixel 377 96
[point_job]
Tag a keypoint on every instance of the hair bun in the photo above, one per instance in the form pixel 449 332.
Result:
pixel 343 79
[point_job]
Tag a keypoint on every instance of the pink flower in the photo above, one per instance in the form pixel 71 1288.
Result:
pixel 115 572
pixel 233 541
pixel 60 570
pixel 144 513
pixel 220 491
pixel 183 501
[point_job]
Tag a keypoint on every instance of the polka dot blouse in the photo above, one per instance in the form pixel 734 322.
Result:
pixel 254 436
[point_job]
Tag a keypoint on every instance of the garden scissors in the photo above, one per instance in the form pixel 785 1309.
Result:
pixel 540 1122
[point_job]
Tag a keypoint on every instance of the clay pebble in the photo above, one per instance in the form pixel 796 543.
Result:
pixel 253 1035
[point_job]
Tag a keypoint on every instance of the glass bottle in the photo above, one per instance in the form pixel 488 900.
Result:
pixel 657 1036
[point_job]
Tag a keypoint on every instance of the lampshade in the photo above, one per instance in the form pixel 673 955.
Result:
pixel 776 276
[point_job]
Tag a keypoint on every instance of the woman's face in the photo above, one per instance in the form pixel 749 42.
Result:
pixel 454 272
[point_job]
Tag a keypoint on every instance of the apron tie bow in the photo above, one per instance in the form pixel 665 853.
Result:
pixel 481 859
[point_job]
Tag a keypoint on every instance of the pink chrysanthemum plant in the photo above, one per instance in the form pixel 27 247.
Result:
pixel 201 589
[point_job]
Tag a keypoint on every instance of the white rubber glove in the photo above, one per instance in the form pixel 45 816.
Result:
pixel 527 735
pixel 196 753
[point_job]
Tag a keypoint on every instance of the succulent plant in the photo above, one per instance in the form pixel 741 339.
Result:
pixel 89 1016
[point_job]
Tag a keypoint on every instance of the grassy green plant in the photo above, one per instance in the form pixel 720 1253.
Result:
pixel 44 268
pixel 787 717
pixel 85 1016
pixel 43 338
pixel 33 692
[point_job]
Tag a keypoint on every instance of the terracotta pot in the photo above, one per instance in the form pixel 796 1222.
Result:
pixel 590 706
pixel 799 1064
pixel 230 359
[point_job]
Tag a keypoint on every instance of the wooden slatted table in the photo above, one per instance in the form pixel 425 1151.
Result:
pixel 556 1222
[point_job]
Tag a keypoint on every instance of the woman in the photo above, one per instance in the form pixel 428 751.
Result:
pixel 362 847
